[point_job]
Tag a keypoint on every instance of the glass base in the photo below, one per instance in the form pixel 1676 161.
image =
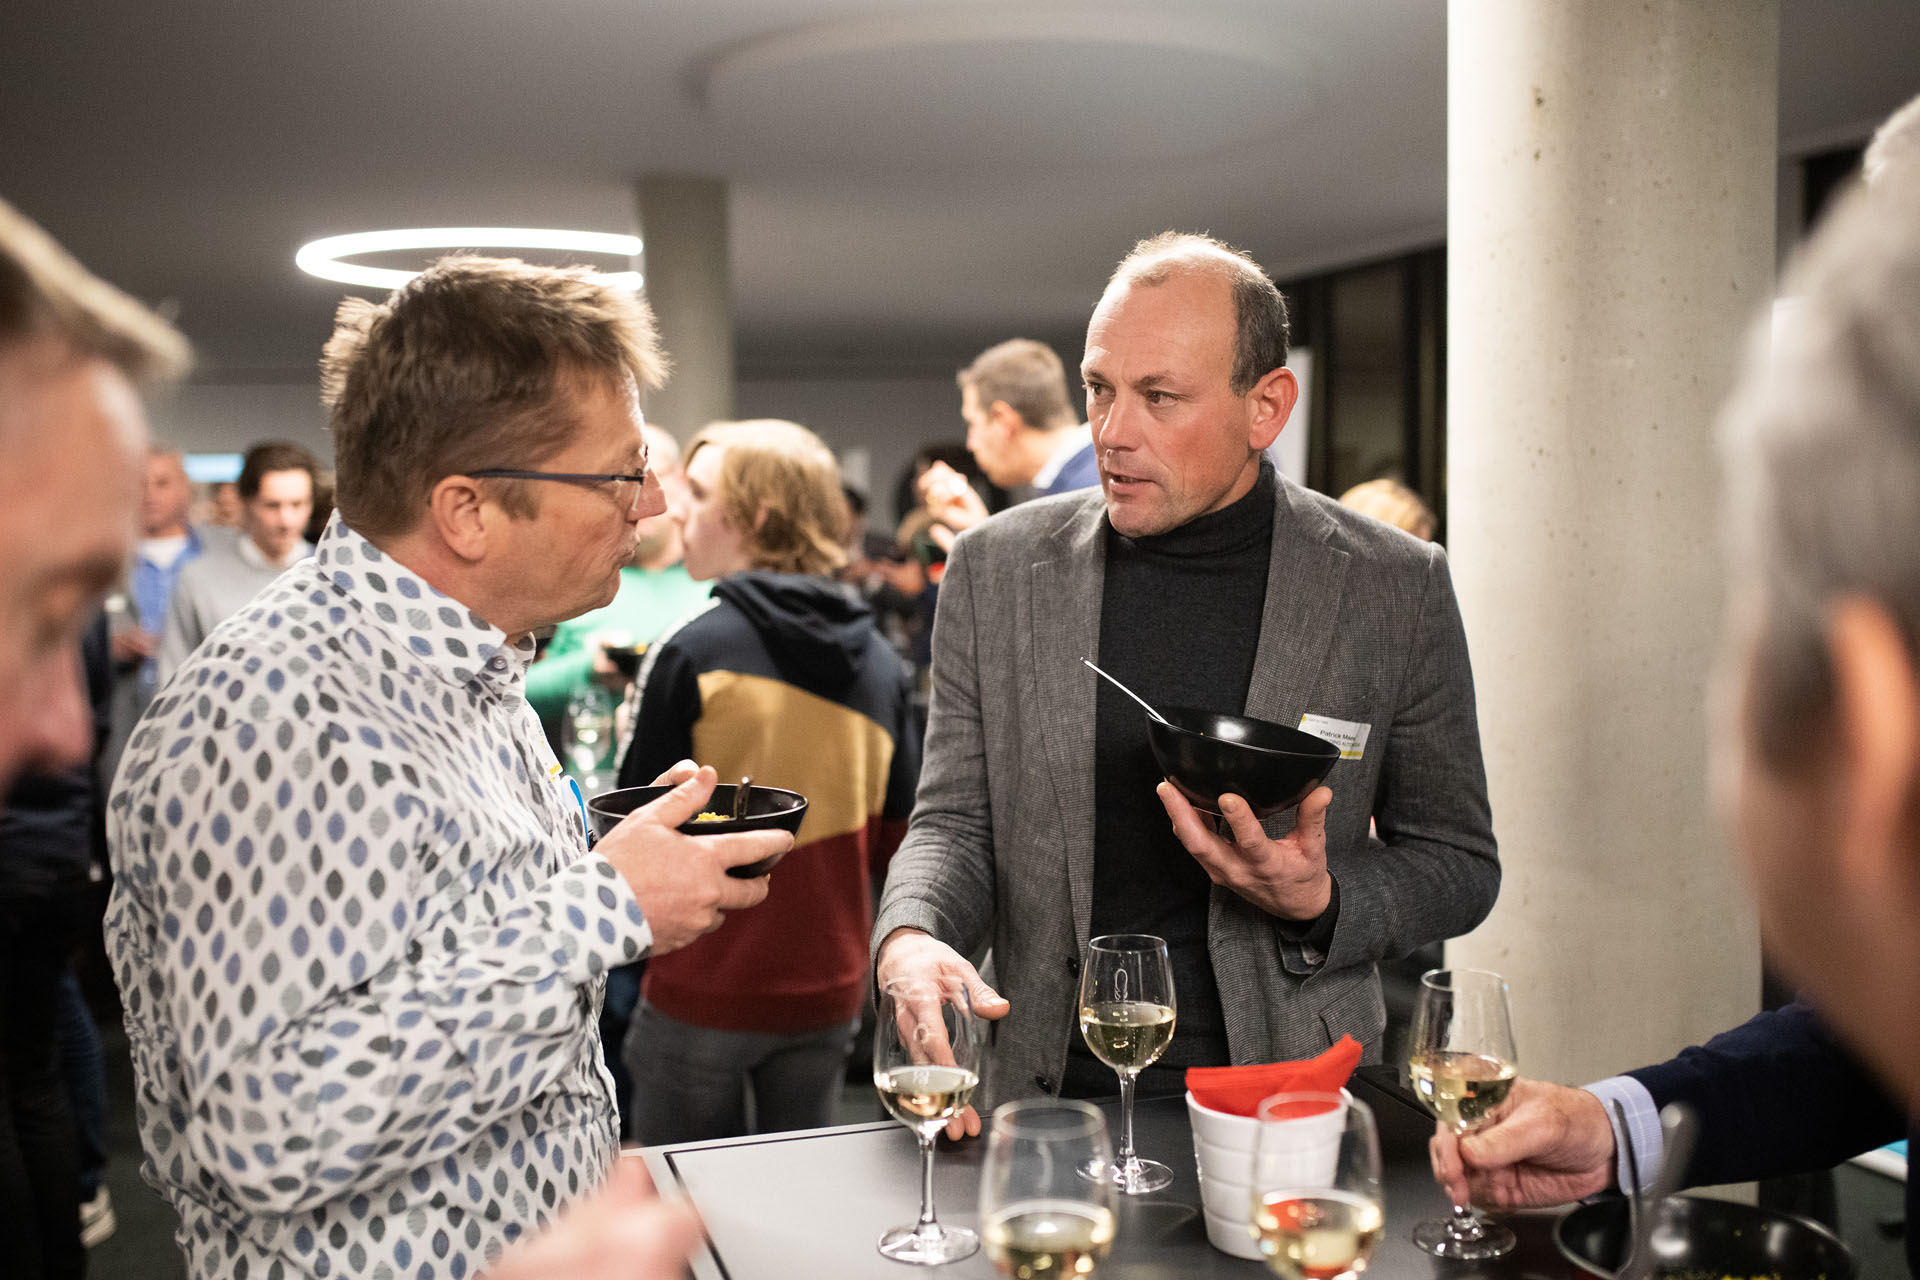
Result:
pixel 929 1246
pixel 1135 1177
pixel 1444 1238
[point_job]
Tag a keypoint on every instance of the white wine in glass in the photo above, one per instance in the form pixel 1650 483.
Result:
pixel 926 1064
pixel 1318 1211
pixel 1040 1217
pixel 1127 1013
pixel 1462 1061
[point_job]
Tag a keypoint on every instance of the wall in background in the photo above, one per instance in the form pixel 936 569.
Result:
pixel 206 418
pixel 889 418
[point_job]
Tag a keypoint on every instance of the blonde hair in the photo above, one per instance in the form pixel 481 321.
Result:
pixel 1391 502
pixel 44 293
pixel 780 486
pixel 468 366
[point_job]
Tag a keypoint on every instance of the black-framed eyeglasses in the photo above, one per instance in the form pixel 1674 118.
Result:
pixel 628 498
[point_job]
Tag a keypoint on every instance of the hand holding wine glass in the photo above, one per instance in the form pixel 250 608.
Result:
pixel 1462 1061
pixel 1318 1208
pixel 926 1064
pixel 1041 1217
pixel 1127 1014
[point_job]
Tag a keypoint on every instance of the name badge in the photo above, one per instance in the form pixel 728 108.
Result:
pixel 1349 736
pixel 572 798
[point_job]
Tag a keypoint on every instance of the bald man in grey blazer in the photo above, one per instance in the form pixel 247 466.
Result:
pixel 1041 819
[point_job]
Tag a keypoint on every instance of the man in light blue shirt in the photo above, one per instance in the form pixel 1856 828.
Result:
pixel 168 544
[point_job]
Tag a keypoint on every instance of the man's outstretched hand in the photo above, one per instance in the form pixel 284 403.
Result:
pixel 915 956
pixel 1548 1144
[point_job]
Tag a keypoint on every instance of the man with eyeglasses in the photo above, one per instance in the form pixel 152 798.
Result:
pixel 358 932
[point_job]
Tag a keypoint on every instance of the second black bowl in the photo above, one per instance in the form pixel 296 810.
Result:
pixel 1698 1236
pixel 768 808
pixel 1207 755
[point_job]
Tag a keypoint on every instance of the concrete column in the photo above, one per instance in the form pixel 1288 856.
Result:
pixel 684 230
pixel 1610 235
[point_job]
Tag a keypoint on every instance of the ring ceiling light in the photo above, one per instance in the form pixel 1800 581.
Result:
pixel 323 257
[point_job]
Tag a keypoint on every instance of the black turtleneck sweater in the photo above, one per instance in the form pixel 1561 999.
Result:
pixel 1179 624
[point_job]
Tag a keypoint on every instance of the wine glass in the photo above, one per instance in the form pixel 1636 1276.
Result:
pixel 590 733
pixel 926 1065
pixel 1040 1216
pixel 1318 1210
pixel 1462 1061
pixel 1126 1014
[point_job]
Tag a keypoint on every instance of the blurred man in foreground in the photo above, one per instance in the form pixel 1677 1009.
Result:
pixel 72 445
pixel 356 927
pixel 72 448
pixel 1818 755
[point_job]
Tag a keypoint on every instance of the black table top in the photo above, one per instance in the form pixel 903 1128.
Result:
pixel 793 1206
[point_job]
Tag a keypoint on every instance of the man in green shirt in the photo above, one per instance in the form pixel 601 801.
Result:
pixel 655 591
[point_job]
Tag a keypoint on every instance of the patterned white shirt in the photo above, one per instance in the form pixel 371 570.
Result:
pixel 359 938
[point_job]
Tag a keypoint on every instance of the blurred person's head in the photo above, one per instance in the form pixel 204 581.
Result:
pixel 953 453
pixel 482 364
pixel 1014 396
pixel 224 507
pixel 1186 378
pixel 73 447
pixel 1895 145
pixel 1818 735
pixel 276 497
pixel 168 495
pixel 1390 502
pixel 657 538
pixel 854 541
pixel 763 494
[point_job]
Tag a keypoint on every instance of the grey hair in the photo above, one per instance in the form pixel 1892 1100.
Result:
pixel 1820 447
pixel 1260 312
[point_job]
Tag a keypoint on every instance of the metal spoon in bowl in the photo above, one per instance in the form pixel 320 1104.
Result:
pixel 1130 693
pixel 1677 1130
pixel 740 794
pixel 1636 1194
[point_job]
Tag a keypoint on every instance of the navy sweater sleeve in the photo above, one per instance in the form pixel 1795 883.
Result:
pixel 1778 1094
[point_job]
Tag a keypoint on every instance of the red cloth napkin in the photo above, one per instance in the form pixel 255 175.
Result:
pixel 1240 1090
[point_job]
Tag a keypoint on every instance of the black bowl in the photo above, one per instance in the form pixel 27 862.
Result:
pixel 1268 765
pixel 768 808
pixel 1699 1237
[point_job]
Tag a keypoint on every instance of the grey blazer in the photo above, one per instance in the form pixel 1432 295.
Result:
pixel 1360 624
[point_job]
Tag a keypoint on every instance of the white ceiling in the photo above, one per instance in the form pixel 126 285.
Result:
pixel 909 179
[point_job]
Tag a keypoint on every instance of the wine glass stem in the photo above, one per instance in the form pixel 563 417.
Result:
pixel 1126 1156
pixel 1464 1225
pixel 926 1222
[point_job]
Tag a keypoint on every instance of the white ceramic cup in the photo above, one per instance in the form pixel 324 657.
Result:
pixel 1223 1154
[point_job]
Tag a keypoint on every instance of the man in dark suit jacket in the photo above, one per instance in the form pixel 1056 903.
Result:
pixel 1820 756
pixel 1202 578
pixel 1022 430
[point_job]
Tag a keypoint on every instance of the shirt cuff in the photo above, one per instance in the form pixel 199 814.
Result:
pixel 1304 943
pixel 1642 1134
